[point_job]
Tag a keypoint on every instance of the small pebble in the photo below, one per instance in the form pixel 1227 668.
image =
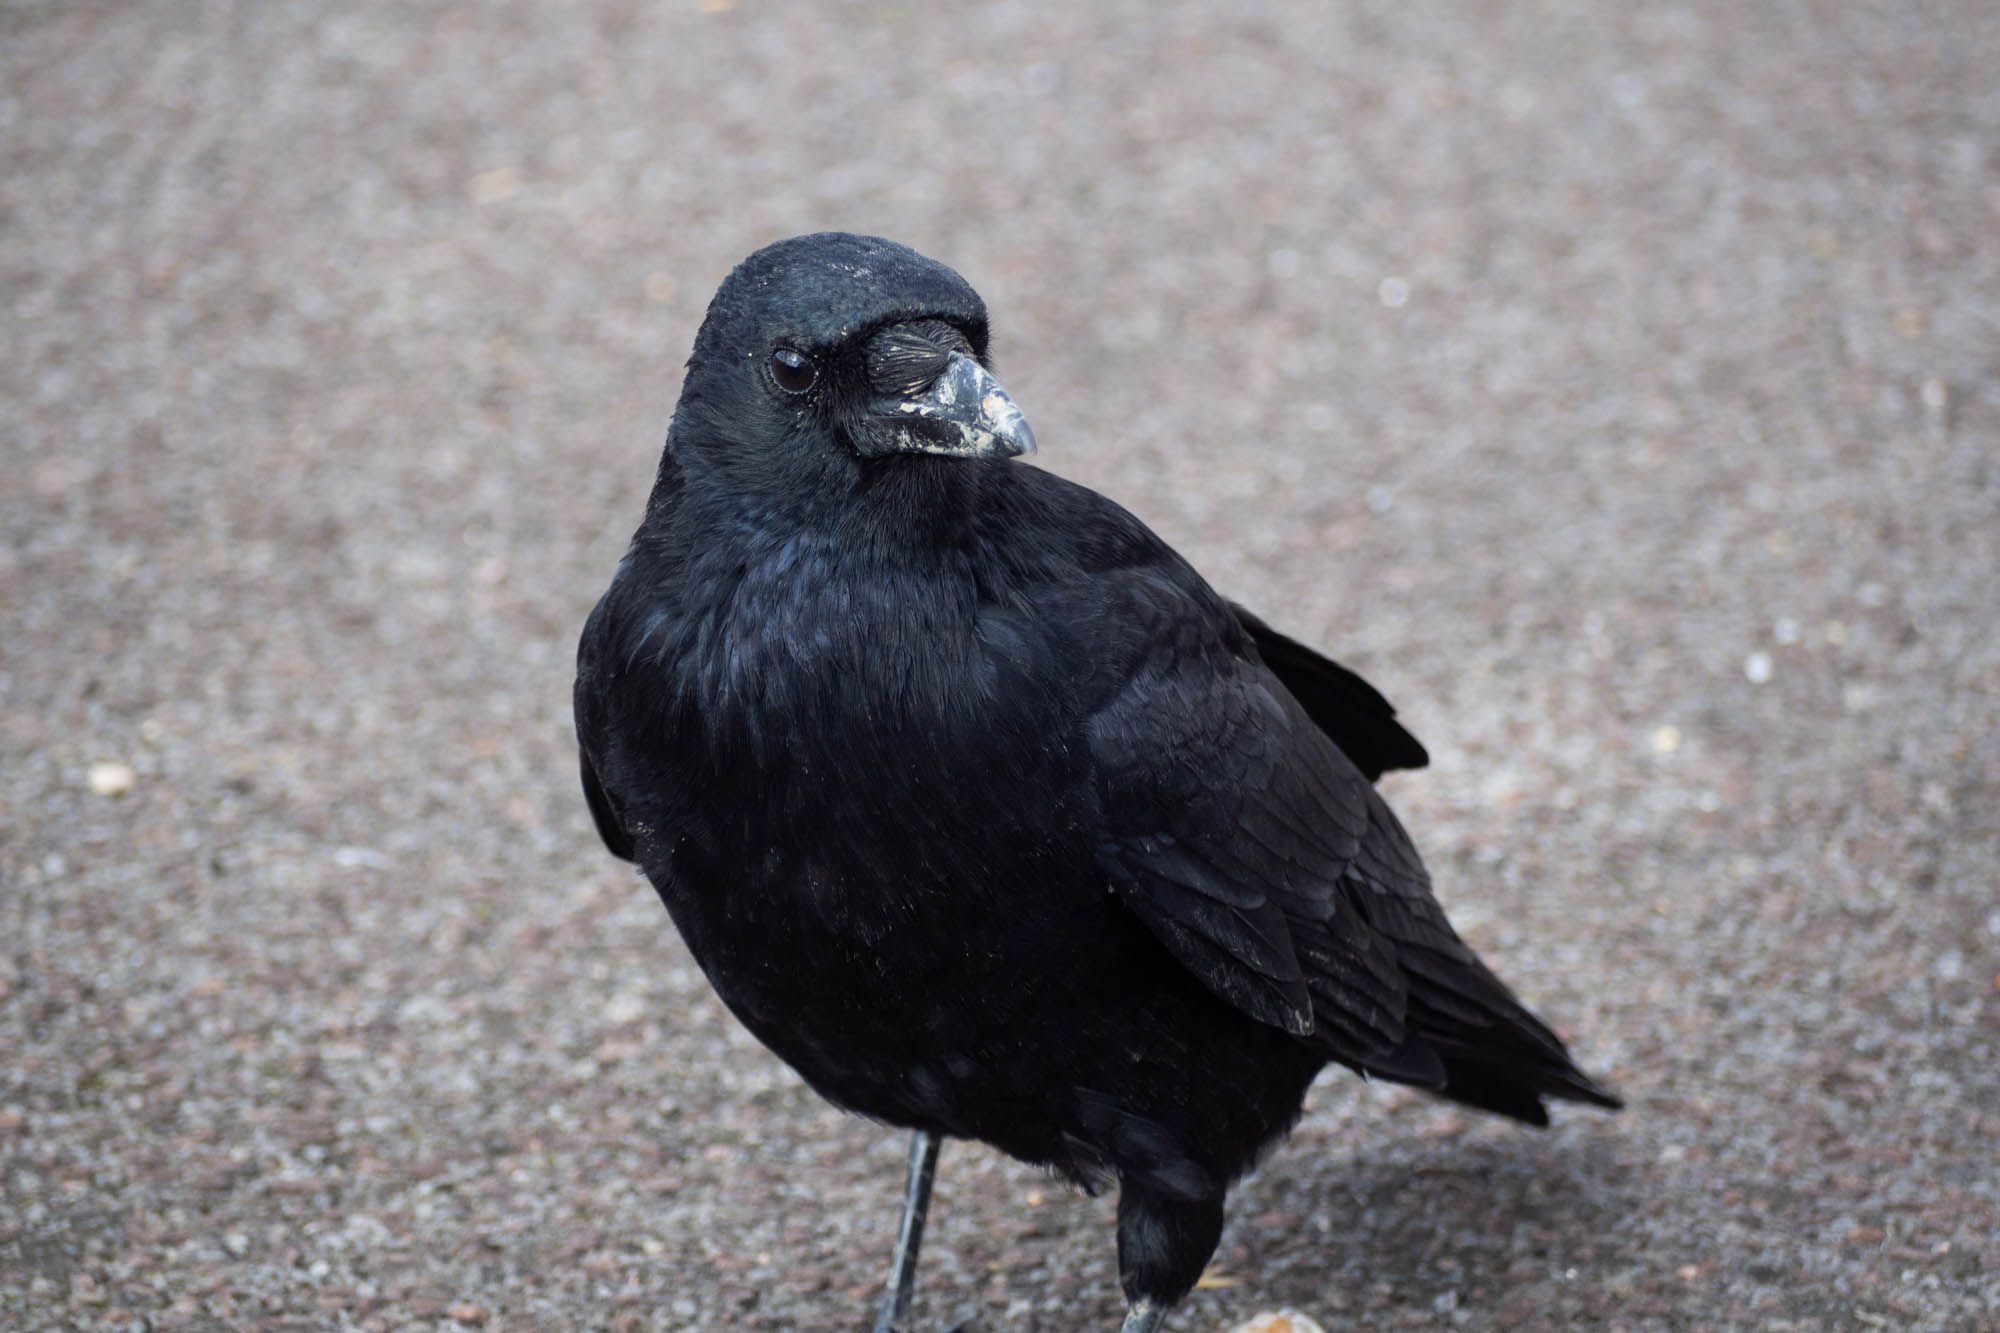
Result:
pixel 495 186
pixel 1667 739
pixel 624 1007
pixel 1757 668
pixel 1279 1321
pixel 1936 396
pixel 111 778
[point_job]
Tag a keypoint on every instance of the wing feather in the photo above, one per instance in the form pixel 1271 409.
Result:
pixel 1350 710
pixel 1240 824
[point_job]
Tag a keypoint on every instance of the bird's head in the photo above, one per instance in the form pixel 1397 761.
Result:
pixel 833 347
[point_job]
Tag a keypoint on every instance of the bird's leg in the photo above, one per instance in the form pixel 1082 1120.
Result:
pixel 910 1238
pixel 1164 1239
pixel 1143 1316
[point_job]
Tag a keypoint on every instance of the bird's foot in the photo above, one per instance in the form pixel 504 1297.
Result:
pixel 1143 1316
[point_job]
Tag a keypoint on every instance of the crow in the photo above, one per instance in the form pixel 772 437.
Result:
pixel 979 807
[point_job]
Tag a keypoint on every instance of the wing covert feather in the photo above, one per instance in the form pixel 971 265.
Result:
pixel 1229 819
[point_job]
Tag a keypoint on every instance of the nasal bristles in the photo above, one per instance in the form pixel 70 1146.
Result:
pixel 904 358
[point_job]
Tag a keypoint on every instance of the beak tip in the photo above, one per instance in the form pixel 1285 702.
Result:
pixel 1008 427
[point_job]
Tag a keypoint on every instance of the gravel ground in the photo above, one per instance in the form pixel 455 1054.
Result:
pixel 1620 391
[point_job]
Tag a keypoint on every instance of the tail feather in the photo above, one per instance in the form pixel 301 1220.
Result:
pixel 1513 1083
pixel 1487 1089
pixel 1497 1055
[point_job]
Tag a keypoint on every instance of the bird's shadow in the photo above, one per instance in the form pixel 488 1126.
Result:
pixel 1397 1224
pixel 1425 1224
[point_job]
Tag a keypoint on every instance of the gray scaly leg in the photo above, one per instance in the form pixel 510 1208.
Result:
pixel 916 1204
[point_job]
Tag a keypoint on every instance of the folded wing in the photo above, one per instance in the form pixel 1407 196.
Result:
pixel 1255 848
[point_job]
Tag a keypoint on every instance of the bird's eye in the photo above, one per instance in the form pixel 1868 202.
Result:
pixel 793 370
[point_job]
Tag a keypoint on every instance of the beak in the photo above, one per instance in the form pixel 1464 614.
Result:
pixel 963 414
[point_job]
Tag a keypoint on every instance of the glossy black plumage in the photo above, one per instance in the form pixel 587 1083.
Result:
pixel 980 807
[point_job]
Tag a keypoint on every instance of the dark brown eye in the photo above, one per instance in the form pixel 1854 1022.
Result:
pixel 793 370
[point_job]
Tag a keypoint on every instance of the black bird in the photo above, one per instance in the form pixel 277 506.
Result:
pixel 979 807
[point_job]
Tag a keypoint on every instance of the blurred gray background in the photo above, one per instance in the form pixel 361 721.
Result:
pixel 1617 387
